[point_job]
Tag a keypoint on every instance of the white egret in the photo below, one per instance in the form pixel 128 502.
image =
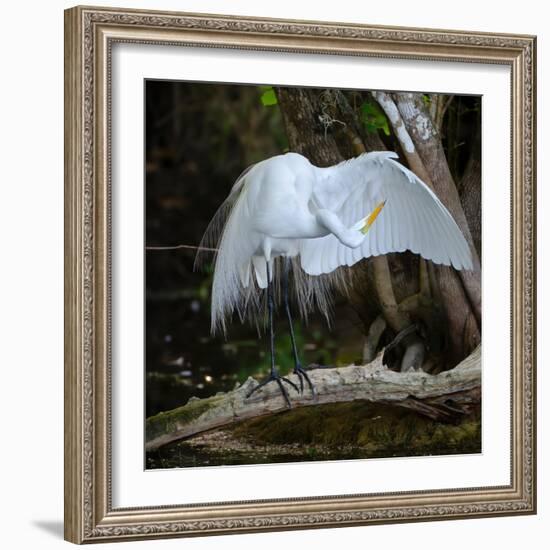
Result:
pixel 319 219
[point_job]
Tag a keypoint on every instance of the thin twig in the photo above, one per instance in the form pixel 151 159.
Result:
pixel 176 247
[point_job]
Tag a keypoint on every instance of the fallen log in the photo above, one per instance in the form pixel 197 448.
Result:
pixel 439 396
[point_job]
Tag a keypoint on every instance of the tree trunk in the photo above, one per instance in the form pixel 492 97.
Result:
pixel 426 140
pixel 415 130
pixel 470 191
pixel 306 133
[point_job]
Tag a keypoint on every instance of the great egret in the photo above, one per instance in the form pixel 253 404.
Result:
pixel 315 219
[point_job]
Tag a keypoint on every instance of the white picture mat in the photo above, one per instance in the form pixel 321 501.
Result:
pixel 134 486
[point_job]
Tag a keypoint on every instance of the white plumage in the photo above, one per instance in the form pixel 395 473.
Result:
pixel 285 206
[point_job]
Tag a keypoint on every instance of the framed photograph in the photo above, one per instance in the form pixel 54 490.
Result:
pixel 300 274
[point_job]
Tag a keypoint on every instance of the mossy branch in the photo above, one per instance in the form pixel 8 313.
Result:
pixel 373 382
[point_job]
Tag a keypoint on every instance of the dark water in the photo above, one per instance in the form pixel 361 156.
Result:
pixel 339 431
pixel 184 455
pixel 184 360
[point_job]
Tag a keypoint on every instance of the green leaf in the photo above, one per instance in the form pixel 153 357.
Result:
pixel 373 118
pixel 268 97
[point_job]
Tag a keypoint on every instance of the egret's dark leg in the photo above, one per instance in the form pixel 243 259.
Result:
pixel 298 369
pixel 274 374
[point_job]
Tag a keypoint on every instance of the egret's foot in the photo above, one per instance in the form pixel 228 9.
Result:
pixel 301 373
pixel 275 377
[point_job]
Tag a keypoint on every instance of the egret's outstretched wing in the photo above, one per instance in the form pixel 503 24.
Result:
pixel 413 218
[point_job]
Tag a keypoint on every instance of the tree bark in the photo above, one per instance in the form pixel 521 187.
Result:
pixel 426 141
pixel 438 396
pixel 372 340
pixel 470 192
pixel 462 315
pixel 407 145
pixel 305 131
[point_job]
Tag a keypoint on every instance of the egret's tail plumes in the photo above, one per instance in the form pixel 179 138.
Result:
pixel 228 289
pixel 233 288
pixel 211 237
pixel 316 293
pixel 240 280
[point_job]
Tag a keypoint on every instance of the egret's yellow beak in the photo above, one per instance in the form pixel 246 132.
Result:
pixel 369 220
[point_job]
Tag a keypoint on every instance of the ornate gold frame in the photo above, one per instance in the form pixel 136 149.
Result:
pixel 89 35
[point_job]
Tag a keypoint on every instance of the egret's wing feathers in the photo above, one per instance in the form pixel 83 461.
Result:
pixel 413 218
